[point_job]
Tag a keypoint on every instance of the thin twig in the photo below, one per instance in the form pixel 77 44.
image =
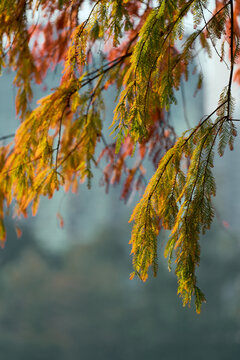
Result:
pixel 210 36
pixel 6 137
pixel 59 137
pixel 232 62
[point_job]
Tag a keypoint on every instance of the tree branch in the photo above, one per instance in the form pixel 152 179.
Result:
pixel 232 61
pixel 7 137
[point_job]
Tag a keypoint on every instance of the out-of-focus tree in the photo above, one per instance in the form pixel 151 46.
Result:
pixel 144 53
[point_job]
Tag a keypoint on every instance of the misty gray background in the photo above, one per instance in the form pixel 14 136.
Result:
pixel 66 294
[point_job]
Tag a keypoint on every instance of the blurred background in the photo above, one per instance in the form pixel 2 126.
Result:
pixel 65 293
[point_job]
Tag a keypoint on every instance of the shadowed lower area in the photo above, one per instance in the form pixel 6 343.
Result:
pixel 81 303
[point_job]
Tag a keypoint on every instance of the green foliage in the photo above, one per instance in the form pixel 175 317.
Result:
pixel 181 202
pixel 144 53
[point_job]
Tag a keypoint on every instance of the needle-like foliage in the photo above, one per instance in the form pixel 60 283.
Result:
pixel 141 50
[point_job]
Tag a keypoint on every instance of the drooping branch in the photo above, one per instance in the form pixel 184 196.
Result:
pixel 231 59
